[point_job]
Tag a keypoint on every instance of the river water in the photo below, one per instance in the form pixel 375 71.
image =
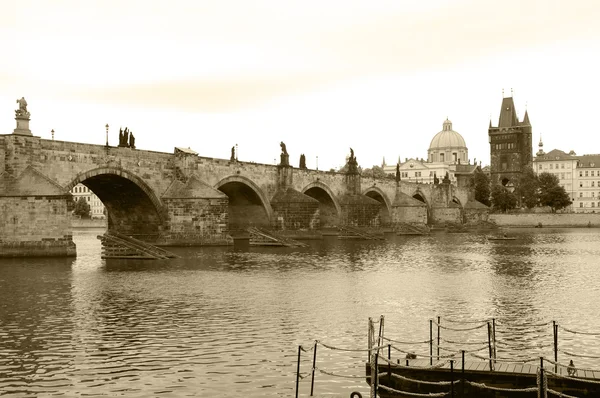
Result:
pixel 227 322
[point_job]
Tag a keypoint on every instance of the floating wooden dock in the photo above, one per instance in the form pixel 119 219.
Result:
pixel 116 245
pixel 347 232
pixel 264 237
pixel 453 375
pixel 506 380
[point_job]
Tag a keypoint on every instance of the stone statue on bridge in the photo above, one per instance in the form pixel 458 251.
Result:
pixel 131 141
pixel 22 105
pixel 232 158
pixel 302 162
pixel 352 163
pixel 124 138
pixel 285 158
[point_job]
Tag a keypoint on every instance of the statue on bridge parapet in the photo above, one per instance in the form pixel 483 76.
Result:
pixel 352 163
pixel 126 138
pixel 232 158
pixel 446 179
pixel 22 116
pixel 285 158
pixel 22 111
pixel 436 180
pixel 302 162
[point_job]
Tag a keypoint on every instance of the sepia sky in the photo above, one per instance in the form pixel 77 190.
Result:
pixel 322 76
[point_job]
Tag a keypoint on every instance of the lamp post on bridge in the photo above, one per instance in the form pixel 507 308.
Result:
pixel 106 134
pixel 317 162
pixel 236 152
pixel 52 131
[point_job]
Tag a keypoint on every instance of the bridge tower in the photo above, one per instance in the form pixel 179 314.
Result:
pixel 511 145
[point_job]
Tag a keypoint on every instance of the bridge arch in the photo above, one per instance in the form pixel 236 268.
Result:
pixel 132 206
pixel 420 196
pixel 457 201
pixel 386 207
pixel 329 208
pixel 248 204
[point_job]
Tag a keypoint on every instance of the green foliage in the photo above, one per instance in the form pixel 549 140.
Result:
pixel 528 188
pixel 551 193
pixel 502 198
pixel 82 208
pixel 481 185
pixel 70 202
pixel 375 172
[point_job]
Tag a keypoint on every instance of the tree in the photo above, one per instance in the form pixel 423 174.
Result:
pixel 502 198
pixel 481 185
pixel 82 208
pixel 551 193
pixel 528 187
pixel 375 172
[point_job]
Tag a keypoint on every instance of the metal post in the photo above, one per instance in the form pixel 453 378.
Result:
pixel 494 337
pixel 431 342
pixel 555 327
pixel 462 371
pixel 376 375
pixel 298 371
pixel 490 344
pixel 541 386
pixel 370 339
pixel 312 382
pixel 390 363
pixel 452 378
pixel 379 339
pixel 438 339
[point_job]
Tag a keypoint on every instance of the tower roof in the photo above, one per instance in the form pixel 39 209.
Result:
pixel 525 121
pixel 508 114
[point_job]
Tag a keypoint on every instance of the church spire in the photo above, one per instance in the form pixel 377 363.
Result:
pixel 540 151
pixel 525 121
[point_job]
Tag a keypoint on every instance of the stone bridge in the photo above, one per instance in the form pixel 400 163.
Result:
pixel 181 198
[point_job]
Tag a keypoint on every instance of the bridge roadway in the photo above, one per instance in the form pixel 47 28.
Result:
pixel 181 198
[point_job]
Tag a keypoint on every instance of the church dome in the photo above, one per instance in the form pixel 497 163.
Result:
pixel 447 138
pixel 448 146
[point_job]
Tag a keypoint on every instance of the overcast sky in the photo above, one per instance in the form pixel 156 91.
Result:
pixel 322 76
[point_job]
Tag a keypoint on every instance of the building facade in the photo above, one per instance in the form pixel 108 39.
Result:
pixel 96 205
pixel 578 175
pixel 511 148
pixel 447 155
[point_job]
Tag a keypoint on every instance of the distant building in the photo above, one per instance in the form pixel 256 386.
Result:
pixel 578 175
pixel 511 148
pixel 447 154
pixel 96 205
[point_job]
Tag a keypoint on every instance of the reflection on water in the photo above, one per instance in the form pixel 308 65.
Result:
pixel 227 321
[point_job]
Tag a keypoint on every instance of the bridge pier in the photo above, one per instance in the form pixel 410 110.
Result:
pixel 197 215
pixel 34 219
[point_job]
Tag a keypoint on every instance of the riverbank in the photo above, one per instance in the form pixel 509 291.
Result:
pixel 556 220
pixel 87 223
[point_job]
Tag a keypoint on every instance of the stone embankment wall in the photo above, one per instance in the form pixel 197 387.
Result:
pixel 547 220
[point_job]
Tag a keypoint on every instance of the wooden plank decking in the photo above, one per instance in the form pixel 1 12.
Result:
pixel 500 367
pixel 507 375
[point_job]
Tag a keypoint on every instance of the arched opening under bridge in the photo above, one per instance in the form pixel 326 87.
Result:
pixel 248 206
pixel 132 208
pixel 328 210
pixel 384 212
